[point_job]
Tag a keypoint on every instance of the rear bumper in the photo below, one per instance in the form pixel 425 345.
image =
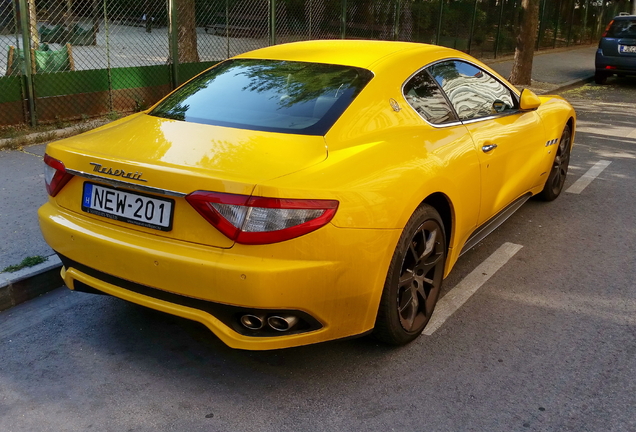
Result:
pixel 334 275
pixel 619 64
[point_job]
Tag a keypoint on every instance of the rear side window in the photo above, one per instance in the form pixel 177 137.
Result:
pixel 267 95
pixel 425 96
pixel 622 29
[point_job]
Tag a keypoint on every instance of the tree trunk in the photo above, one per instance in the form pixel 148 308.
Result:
pixel 187 32
pixel 524 52
pixel 633 7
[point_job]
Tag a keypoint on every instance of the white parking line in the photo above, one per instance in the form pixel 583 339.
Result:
pixel 587 178
pixel 457 296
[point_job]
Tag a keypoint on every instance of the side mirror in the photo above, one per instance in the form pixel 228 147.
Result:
pixel 529 100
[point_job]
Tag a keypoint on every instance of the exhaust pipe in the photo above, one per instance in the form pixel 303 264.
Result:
pixel 282 323
pixel 253 322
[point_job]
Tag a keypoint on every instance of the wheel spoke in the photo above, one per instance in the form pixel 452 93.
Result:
pixel 430 243
pixel 421 292
pixel 406 278
pixel 432 264
pixel 408 308
pixel 416 257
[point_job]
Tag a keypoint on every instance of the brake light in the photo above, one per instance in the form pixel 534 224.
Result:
pixel 55 175
pixel 607 28
pixel 260 220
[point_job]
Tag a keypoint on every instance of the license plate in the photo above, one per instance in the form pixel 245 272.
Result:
pixel 132 207
pixel 627 49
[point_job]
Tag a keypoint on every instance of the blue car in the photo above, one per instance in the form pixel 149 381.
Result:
pixel 616 52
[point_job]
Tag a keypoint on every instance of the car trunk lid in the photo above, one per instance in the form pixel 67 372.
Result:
pixel 155 157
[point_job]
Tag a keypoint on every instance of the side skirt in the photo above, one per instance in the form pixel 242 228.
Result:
pixel 493 223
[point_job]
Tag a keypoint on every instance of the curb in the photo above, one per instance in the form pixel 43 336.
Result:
pixel 570 84
pixel 52 135
pixel 28 283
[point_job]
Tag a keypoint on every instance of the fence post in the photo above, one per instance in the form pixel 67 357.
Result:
pixel 472 26
pixel 587 6
pixel 601 18
pixel 439 22
pixel 108 68
pixel 272 22
pixel 26 50
pixel 499 27
pixel 567 43
pixel 174 41
pixel 541 27
pixel 396 20
pixel 343 20
pixel 556 25
pixel 227 27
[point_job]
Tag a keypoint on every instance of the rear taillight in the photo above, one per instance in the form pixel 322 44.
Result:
pixel 259 220
pixel 607 28
pixel 55 175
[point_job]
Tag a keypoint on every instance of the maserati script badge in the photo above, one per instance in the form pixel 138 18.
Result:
pixel 117 173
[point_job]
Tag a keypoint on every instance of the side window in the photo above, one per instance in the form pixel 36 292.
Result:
pixel 473 92
pixel 427 99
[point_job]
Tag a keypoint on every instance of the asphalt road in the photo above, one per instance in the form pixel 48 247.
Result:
pixel 546 343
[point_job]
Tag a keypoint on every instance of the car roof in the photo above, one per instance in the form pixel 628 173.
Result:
pixel 358 53
pixel 624 17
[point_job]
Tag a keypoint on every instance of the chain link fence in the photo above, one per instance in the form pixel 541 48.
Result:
pixel 86 58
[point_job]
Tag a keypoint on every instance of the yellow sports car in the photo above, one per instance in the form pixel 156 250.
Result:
pixel 303 192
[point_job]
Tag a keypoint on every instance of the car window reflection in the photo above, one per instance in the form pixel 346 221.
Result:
pixel 472 92
pixel 268 95
pixel 423 94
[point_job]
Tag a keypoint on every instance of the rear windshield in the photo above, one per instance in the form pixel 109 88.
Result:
pixel 267 95
pixel 622 29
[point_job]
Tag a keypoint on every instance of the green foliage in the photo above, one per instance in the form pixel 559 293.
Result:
pixel 29 261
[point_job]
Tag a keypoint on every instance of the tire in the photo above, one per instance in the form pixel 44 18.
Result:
pixel 600 78
pixel 414 279
pixel 558 172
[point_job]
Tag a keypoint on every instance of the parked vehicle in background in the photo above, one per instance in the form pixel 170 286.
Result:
pixel 616 52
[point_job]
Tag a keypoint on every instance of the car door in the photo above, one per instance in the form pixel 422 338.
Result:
pixel 509 142
pixel 448 146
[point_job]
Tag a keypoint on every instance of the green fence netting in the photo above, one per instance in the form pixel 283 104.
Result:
pixel 93 57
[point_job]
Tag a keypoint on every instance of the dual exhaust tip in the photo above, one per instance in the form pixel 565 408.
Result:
pixel 281 323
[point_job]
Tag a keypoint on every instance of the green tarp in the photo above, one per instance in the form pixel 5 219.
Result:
pixel 46 60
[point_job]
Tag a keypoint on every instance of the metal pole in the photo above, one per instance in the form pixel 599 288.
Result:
pixel 227 27
pixel 541 27
pixel 439 22
pixel 567 43
pixel 174 41
pixel 556 27
pixel 26 51
pixel 108 71
pixel 311 15
pixel 601 19
pixel 472 26
pixel 499 27
pixel 272 22
pixel 587 6
pixel 343 20
pixel 396 21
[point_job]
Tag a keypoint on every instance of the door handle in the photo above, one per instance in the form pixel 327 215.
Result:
pixel 488 147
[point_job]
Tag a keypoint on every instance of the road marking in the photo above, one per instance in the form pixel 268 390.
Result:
pixel 457 296
pixel 587 178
